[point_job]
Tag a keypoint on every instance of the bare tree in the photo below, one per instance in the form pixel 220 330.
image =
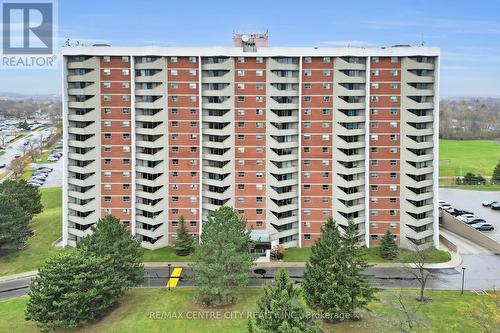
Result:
pixel 3 138
pixel 410 318
pixel 17 167
pixel 418 259
pixel 486 314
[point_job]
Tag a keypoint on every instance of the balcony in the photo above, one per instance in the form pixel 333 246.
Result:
pixel 341 77
pixel 91 76
pixel 92 62
pixel 273 64
pixel 341 64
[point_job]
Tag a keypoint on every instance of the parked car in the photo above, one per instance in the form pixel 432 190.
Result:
pixel 475 220
pixel 2 166
pixel 449 209
pixel 34 184
pixel 495 206
pixel 17 155
pixel 483 227
pixel 488 203
pixel 45 168
pixel 445 206
pixel 35 181
pixel 40 175
pixel 465 217
pixel 459 212
pixel 442 202
pixel 53 158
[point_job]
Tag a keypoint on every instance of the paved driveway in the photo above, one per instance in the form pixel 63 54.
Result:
pixel 471 200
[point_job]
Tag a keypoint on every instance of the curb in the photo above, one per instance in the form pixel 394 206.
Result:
pixel 18 276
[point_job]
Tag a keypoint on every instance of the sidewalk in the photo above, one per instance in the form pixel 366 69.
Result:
pixel 18 276
pixel 455 261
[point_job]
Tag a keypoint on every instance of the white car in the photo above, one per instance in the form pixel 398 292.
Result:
pixel 52 159
pixel 466 217
pixel 445 207
pixel 442 203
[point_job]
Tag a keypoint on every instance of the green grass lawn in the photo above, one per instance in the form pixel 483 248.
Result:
pixel 165 255
pixel 296 254
pixel 448 312
pixel 47 229
pixel 2 152
pixel 457 157
pixel 487 188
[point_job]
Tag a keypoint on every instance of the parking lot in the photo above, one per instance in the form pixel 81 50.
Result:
pixel 471 201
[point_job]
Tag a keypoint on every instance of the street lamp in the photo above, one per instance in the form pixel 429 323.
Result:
pixel 169 276
pixel 463 277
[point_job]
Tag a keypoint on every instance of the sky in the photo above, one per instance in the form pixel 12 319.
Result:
pixel 468 32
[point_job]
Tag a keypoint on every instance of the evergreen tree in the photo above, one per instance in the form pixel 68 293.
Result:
pixel 27 197
pixel 184 243
pixel 15 227
pixel 325 272
pixel 279 309
pixel 356 284
pixel 223 260
pixel 333 281
pixel 70 290
pixel 111 239
pixel 388 248
pixel 495 178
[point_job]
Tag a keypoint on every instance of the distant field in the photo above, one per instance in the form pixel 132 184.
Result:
pixel 457 157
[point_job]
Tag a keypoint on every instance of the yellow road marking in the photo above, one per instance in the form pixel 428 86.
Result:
pixel 174 277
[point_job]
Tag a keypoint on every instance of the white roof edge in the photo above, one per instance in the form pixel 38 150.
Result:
pixel 264 52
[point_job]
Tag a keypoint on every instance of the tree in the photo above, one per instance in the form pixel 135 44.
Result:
pixel 27 197
pixel 388 248
pixel 409 316
pixel 15 227
pixel 495 178
pixel 486 314
pixel 223 260
pixel 356 284
pixel 71 289
pixel 184 243
pixel 111 240
pixel 17 166
pixel 279 309
pixel 333 283
pixel 418 258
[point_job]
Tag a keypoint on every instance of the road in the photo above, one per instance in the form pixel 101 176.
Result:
pixel 471 201
pixel 17 147
pixel 482 272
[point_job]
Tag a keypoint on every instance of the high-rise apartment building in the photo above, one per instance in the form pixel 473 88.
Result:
pixel 286 136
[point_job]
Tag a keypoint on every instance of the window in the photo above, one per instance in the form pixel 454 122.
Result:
pixel 394 111
pixel 326 60
pixel 107 149
pixel 307 72
pixel 241 72
pixel 393 124
pixel 393 188
pixel 374 137
pixel 326 112
pixel 394 60
pixel 307 85
pixel 107 199
pixel 259 60
pixel 107 98
pixel 106 59
pixel 374 124
pixel 126 123
pixel 107 123
pixel 241 60
pixel 307 236
pixel 307 112
pixel 241 86
pixel 374 112
pixel 375 72
pixel 174 85
pixel 192 72
pixel 107 186
pixel 192 60
pixel 374 187
pixel 259 86
pixel 107 111
pixel 107 174
pixel 307 60
pixel 307 98
pixel 107 161
pixel 326 85
pixel 125 85
pixel 106 71
pixel 326 98
pixel 327 72
pixel 258 224
pixel 259 99
pixel 173 72
pixel 394 98
pixel 173 59
pixel 375 60
pixel 107 135
pixel 259 73
pixel 374 237
pixel 374 98
pixel 125 72
pixel 392 212
pixel 192 86
pixel 125 98
pixel 374 85
pixel 106 84
pixel 394 72
pixel 393 162
pixel 124 59
pixel 394 85
pixel 259 112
